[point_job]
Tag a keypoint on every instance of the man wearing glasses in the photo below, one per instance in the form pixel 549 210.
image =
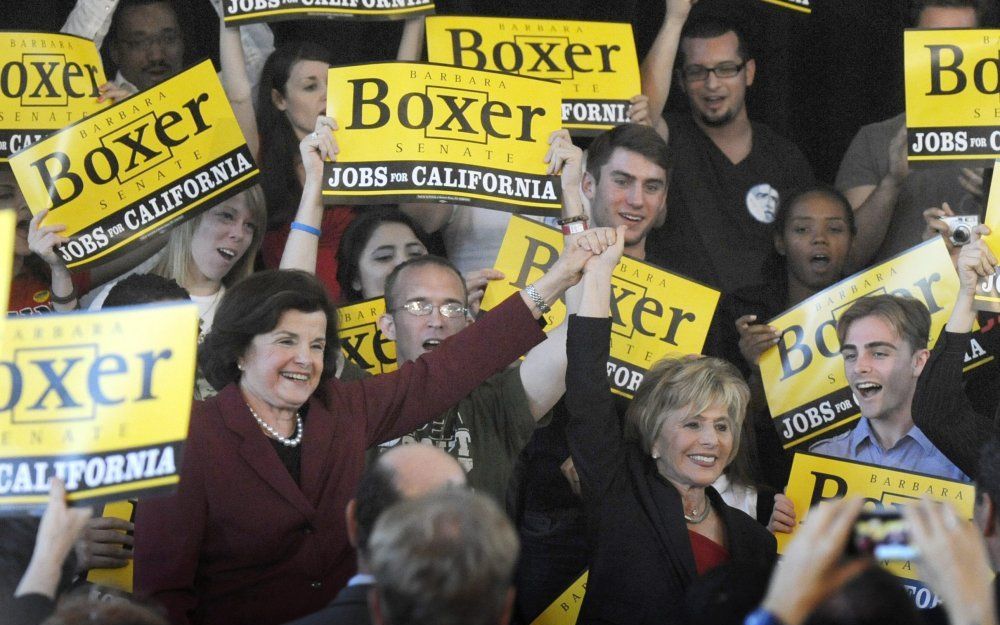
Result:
pixel 730 173
pixel 146 42
pixel 426 303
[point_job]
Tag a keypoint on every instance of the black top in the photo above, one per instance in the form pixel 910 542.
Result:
pixel 349 607
pixel 642 568
pixel 718 213
pixel 943 412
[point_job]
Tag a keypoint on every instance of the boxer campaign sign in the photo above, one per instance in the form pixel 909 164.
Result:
pixel 151 161
pixel 249 11
pixel 47 81
pixel 361 339
pixel 595 62
pixel 413 132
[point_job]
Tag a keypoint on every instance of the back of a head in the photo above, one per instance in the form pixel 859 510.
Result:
pixel 874 597
pixel 988 475
pixel 118 611
pixel 444 559
pixel 144 288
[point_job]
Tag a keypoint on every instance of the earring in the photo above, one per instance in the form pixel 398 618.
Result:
pixel 656 456
pixel 239 366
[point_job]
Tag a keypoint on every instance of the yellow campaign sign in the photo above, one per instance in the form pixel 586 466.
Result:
pixel 988 290
pixel 414 132
pixel 149 162
pixel 952 79
pixel 653 312
pixel 815 479
pixel 361 339
pixel 803 374
pixel 566 608
pixel 595 62
pixel 97 400
pixel 8 223
pixel 47 81
pixel 249 11
pixel 802 6
pixel 120 578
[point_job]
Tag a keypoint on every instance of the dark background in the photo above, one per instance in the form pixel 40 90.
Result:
pixel 819 77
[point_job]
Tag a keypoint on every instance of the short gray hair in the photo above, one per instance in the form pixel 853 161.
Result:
pixel 444 559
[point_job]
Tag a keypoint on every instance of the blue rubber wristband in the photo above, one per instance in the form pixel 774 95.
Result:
pixel 298 225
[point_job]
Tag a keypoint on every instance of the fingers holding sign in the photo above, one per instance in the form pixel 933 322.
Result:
pixel 755 338
pixel 317 147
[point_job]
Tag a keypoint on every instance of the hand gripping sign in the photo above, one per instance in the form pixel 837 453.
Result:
pixel 97 400
pixel 815 479
pixel 249 11
pixel 412 132
pixel 952 81
pixel 47 81
pixel 361 339
pixel 803 375
pixel 653 312
pixel 595 62
pixel 151 161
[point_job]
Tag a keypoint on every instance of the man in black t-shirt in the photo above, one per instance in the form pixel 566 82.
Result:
pixel 730 173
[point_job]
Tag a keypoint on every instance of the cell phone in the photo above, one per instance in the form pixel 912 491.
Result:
pixel 882 534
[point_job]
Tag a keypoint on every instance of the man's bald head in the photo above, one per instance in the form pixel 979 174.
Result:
pixel 403 472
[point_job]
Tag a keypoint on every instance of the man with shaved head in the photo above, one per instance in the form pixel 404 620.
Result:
pixel 403 473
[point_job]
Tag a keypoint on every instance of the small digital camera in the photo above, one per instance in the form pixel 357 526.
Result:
pixel 882 534
pixel 961 227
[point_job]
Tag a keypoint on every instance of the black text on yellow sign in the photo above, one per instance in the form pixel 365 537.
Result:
pixel 952 89
pixel 361 340
pixel 595 62
pixel 987 296
pixel 97 400
pixel 803 375
pixel 412 132
pixel 248 11
pixel 801 6
pixel 653 312
pixel 815 479
pixel 149 162
pixel 47 81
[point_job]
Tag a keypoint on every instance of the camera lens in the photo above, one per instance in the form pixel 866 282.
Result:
pixel 961 235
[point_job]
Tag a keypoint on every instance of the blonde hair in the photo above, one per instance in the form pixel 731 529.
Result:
pixel 691 386
pixel 178 263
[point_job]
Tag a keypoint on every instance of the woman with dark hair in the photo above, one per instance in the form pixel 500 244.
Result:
pixel 377 241
pixel 813 233
pixel 255 533
pixel 648 498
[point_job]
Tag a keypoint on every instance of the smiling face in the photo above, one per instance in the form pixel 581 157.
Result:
pixel 692 450
pixel 815 241
pixel 414 334
pixel 221 239
pixel 881 368
pixel 390 245
pixel 282 368
pixel 304 97
pixel 148 46
pixel 632 191
pixel 716 101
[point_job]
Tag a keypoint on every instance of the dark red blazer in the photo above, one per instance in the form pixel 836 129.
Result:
pixel 240 541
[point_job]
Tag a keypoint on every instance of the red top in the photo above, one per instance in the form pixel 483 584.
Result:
pixel 335 221
pixel 708 554
pixel 30 294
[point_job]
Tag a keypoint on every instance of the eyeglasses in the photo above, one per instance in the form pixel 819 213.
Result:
pixel 697 73
pixel 166 39
pixel 422 308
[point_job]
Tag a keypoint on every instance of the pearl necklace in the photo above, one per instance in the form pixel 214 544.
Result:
pixel 696 518
pixel 288 442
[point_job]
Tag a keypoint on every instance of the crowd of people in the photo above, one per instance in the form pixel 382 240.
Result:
pixel 478 480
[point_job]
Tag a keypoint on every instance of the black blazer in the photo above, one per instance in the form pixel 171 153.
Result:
pixel 349 607
pixel 642 568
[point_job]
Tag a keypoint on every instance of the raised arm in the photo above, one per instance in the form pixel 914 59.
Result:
pixel 593 432
pixel 303 237
pixel 940 408
pixel 236 83
pixel 42 241
pixel 658 66
pixel 90 19
pixel 411 44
